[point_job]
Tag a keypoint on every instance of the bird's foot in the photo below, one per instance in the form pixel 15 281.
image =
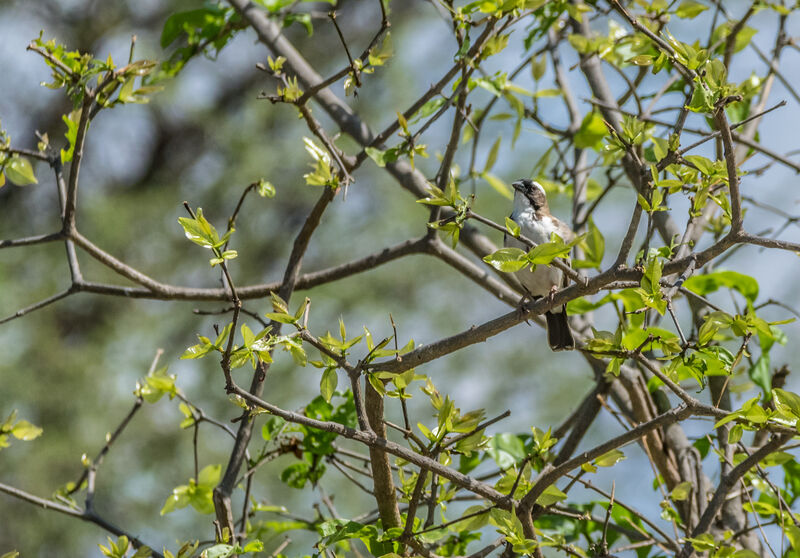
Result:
pixel 522 307
pixel 552 294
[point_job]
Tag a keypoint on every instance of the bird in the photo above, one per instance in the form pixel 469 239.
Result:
pixel 536 223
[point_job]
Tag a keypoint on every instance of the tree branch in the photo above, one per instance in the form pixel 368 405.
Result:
pixel 725 485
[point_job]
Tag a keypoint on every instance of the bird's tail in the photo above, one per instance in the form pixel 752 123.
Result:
pixel 559 337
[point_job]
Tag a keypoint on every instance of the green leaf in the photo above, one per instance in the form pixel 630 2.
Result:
pixel 322 174
pixel 209 476
pixel 793 534
pixel 756 415
pixel 492 158
pixel 710 282
pixel 298 354
pixel 761 375
pixel 551 495
pixel 178 22
pixel 223 335
pixel 776 458
pixel 327 385
pixel 128 95
pixel 701 99
pixel 253 546
pixel 335 530
pixel 157 384
pixel 495 44
pixel 24 430
pixel 247 335
pixel 743 37
pixel 198 351
pixel 473 523
pixel 376 155
pixel 604 341
pixel 226 255
pixel 19 171
pixel 681 491
pixel 542 93
pixel 610 458
pixel 735 434
pixel 714 321
pixel 115 549
pixel 71 120
pixel 594 246
pixel 591 133
pixel 745 410
pixel 582 305
pixel 265 189
pixel 379 55
pixel 507 259
pixel 690 9
pixel 703 164
pixel 219 551
pixel 280 318
pixel 506 449
pixel 428 108
pixel 538 67
pixel 642 60
pixel 787 401
pixel 545 253
pixel 703 542
pixel 500 187
pixel 512 227
pixel 271 427
pixel 199 230
pixel 302 309
pixel 652 276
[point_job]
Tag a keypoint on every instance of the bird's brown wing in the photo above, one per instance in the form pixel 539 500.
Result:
pixel 566 233
pixel 563 230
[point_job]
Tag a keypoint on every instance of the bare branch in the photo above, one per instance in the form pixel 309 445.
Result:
pixel 551 474
pixel 82 515
pixel 41 304
pixel 726 484
pixel 71 201
pixel 31 240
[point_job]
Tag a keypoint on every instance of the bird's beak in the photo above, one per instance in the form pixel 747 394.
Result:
pixel 518 187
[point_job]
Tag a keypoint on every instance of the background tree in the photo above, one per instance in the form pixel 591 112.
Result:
pixel 652 122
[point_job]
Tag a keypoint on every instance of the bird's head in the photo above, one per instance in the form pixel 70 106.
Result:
pixel 530 193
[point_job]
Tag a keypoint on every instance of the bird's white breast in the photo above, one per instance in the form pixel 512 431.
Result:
pixel 543 278
pixel 535 229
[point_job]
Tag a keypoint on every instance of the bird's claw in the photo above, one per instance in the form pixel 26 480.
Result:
pixel 522 307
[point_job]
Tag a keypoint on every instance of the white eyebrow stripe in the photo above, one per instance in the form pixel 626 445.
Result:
pixel 541 189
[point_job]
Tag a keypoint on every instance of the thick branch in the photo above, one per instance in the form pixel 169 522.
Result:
pixel 730 160
pixel 551 474
pixel 726 484
pixel 385 493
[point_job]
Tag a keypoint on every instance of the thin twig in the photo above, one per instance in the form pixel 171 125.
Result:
pixel 38 305
pixel 77 513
